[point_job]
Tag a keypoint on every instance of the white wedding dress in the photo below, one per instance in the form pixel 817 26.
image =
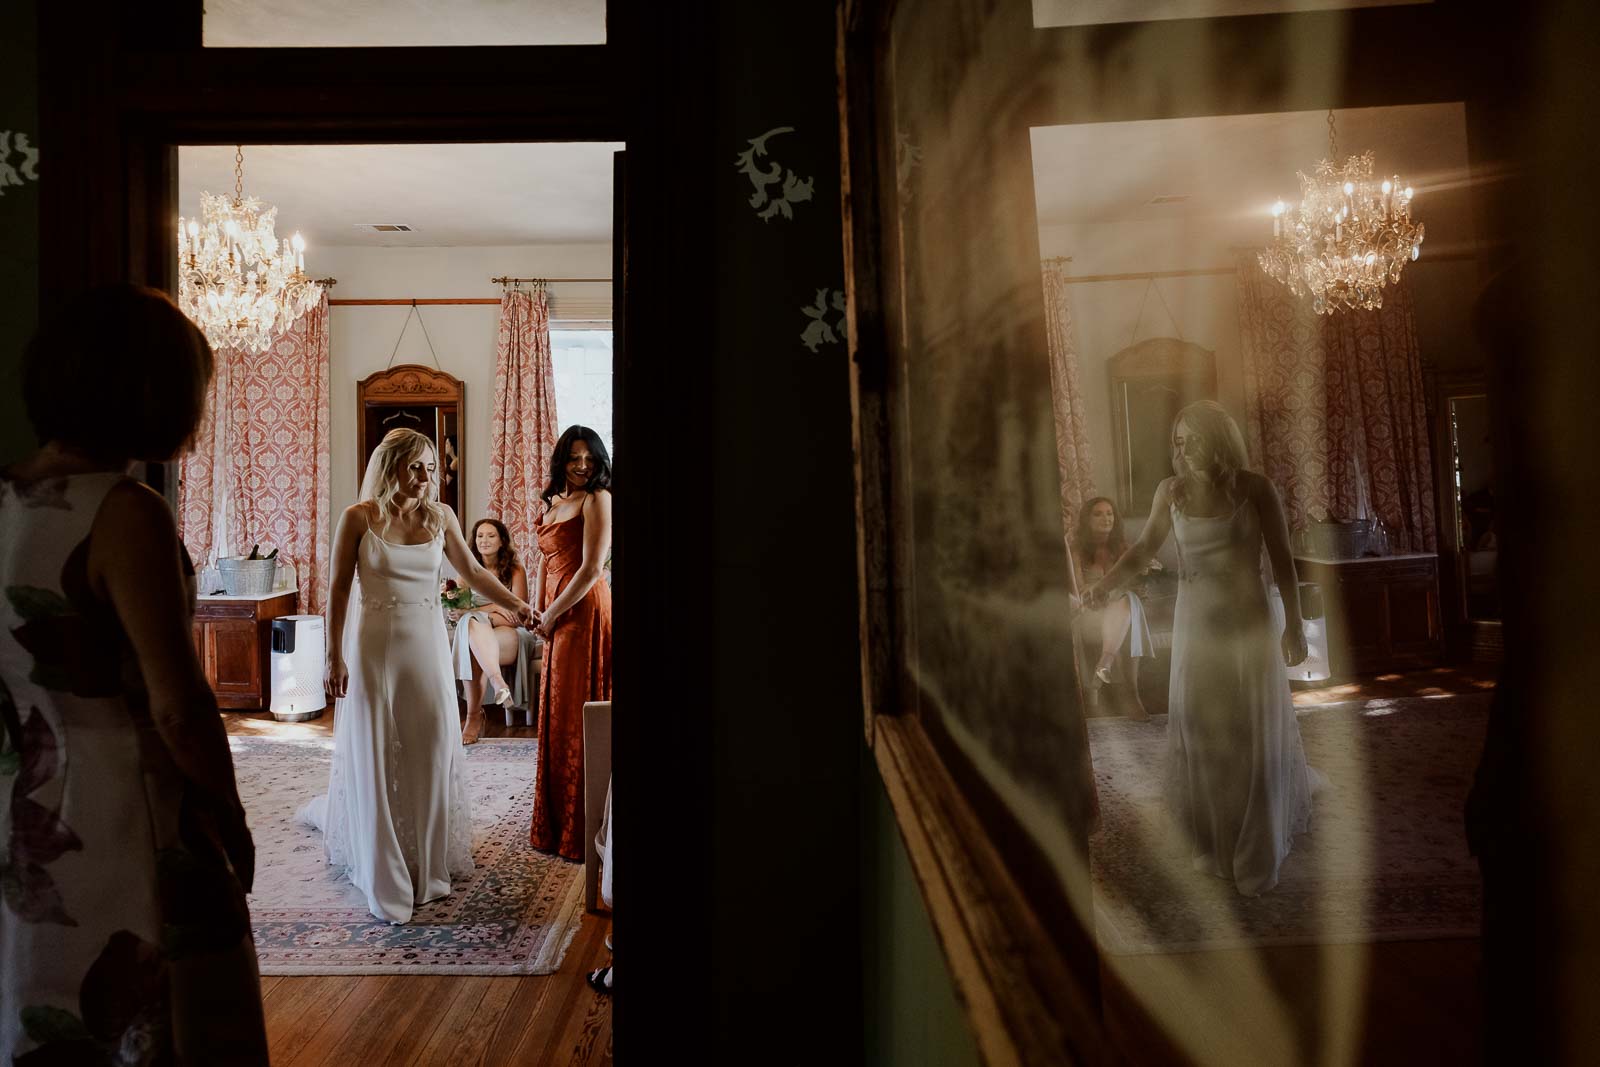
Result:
pixel 396 816
pixel 1237 781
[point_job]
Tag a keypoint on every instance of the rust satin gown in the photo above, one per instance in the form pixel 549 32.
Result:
pixel 577 668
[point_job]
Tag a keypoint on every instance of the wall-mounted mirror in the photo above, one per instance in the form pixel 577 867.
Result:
pixel 1150 383
pixel 1472 460
pixel 419 398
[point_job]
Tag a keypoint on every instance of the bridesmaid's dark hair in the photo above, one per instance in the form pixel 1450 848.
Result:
pixel 506 561
pixel 1083 539
pixel 600 479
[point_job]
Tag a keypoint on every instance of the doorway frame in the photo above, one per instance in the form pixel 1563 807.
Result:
pixel 121 88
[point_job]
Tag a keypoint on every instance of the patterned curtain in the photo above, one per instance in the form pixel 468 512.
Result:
pixel 1286 405
pixel 1336 409
pixel 1378 419
pixel 259 471
pixel 1066 397
pixel 205 475
pixel 523 417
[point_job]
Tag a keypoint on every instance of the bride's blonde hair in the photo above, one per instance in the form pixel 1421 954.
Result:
pixel 1223 441
pixel 381 485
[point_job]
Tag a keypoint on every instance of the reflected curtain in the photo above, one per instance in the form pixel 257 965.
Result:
pixel 259 471
pixel 1335 406
pixel 1066 397
pixel 524 418
pixel 1286 396
pixel 1378 419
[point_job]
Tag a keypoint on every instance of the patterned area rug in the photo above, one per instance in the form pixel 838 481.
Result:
pixel 516 914
pixel 1385 859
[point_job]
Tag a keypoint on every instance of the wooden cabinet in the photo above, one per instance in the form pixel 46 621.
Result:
pixel 1382 612
pixel 233 638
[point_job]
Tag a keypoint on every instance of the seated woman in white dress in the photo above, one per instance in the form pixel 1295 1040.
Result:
pixel 487 637
pixel 396 816
pixel 1097 544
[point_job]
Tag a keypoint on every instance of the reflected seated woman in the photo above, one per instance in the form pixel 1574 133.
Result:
pixel 1097 544
pixel 487 638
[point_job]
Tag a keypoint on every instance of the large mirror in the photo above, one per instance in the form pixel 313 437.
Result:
pixel 1472 461
pixel 420 398
pixel 1150 383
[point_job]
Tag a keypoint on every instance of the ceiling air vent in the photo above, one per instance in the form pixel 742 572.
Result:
pixel 384 227
pixel 1170 198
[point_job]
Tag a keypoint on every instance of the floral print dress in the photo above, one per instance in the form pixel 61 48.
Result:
pixel 124 936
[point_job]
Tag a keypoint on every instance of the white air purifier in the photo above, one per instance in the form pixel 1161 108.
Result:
pixel 299 656
pixel 1313 671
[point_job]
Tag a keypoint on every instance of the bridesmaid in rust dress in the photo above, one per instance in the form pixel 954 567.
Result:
pixel 575 601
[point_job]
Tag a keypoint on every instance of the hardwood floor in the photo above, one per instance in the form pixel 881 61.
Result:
pixel 437 1019
pixel 445 1019
pixel 1415 1002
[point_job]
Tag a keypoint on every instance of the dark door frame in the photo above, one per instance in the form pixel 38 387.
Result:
pixel 122 85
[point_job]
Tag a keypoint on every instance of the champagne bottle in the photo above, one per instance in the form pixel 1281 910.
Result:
pixel 273 554
pixel 255 551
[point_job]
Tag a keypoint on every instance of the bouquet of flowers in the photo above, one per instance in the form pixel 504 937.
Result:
pixel 454 596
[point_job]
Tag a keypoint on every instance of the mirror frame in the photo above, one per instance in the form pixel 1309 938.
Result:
pixel 1466 637
pixel 1187 367
pixel 415 385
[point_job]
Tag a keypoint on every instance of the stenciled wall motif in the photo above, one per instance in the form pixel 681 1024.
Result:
pixel 19 159
pixel 794 189
pixel 820 331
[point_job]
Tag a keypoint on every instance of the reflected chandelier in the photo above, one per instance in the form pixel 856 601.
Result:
pixel 1349 236
pixel 236 280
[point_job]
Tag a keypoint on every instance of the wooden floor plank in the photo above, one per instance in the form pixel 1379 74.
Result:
pixel 298 1008
pixel 451 1042
pixel 268 983
pixel 554 1028
pixel 591 1043
pixel 401 1018
pixel 525 1005
pixel 330 1035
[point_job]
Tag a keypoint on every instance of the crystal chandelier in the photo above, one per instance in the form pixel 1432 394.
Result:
pixel 236 280
pixel 1348 237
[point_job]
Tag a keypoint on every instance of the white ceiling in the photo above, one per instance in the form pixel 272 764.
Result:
pixel 1232 168
pixel 452 195
pixel 374 23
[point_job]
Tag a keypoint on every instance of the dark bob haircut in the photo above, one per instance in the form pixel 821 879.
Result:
pixel 121 373
pixel 600 479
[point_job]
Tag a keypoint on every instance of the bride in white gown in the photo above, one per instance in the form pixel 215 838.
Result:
pixel 1237 783
pixel 396 815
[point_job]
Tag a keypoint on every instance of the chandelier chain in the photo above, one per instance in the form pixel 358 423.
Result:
pixel 238 173
pixel 1333 140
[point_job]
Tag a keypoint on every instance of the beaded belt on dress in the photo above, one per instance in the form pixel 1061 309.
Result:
pixel 373 603
pixel 1198 576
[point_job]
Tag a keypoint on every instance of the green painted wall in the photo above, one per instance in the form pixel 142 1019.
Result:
pixel 19 220
pixel 911 1015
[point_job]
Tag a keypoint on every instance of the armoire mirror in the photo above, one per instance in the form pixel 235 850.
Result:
pixel 1468 535
pixel 1150 383
pixel 424 399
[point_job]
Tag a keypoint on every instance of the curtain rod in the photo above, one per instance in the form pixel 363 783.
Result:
pixel 419 301
pixel 509 281
pixel 1201 272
